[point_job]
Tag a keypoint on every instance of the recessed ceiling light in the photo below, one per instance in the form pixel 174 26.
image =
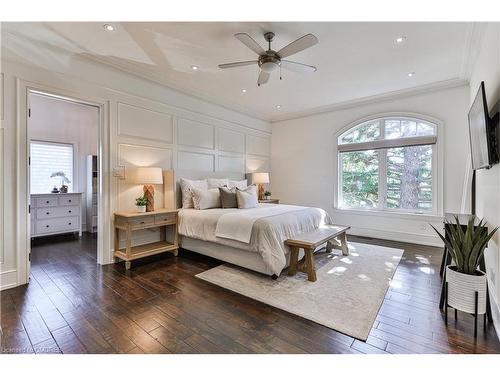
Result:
pixel 194 67
pixel 108 27
pixel 411 74
pixel 243 90
pixel 400 39
pixel 278 106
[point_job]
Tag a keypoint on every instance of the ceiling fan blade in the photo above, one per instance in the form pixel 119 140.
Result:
pixel 250 43
pixel 263 77
pixel 300 44
pixel 237 64
pixel 298 67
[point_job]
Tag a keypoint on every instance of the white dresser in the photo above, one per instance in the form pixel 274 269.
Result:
pixel 56 214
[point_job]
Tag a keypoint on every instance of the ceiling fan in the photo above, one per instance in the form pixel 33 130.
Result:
pixel 270 60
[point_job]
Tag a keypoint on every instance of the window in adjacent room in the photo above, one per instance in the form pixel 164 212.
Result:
pixel 47 158
pixel 388 164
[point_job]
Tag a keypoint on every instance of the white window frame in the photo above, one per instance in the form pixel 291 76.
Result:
pixel 437 168
pixel 76 187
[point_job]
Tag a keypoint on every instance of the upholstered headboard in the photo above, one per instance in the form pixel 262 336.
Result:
pixel 198 175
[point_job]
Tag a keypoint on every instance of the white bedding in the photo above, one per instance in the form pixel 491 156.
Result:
pixel 237 225
pixel 268 233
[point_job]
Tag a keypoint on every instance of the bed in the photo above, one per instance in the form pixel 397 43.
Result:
pixel 250 238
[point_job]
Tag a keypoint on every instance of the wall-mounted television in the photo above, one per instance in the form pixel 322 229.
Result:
pixel 482 133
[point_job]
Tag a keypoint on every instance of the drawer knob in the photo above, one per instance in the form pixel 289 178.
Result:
pixel 142 222
pixel 47 202
pixel 48 213
pixel 47 226
pixel 69 211
pixel 69 201
pixel 69 223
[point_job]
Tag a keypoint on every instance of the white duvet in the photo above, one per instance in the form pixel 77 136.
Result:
pixel 268 233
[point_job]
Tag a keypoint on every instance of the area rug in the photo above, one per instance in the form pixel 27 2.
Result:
pixel 346 296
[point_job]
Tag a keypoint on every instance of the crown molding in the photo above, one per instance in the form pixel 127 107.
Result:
pixel 152 77
pixel 404 93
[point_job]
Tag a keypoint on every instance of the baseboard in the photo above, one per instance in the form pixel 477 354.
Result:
pixel 8 279
pixel 419 239
pixel 495 311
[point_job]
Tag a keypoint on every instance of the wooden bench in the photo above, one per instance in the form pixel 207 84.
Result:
pixel 334 236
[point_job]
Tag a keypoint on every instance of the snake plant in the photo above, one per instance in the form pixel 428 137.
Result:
pixel 466 246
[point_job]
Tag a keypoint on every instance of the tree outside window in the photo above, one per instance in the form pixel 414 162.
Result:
pixel 387 164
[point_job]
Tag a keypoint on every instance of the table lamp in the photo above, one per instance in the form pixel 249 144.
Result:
pixel 260 179
pixel 149 176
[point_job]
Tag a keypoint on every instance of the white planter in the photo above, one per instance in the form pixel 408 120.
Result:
pixel 462 288
pixel 141 208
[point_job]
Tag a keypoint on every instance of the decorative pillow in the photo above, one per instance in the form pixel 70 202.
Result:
pixel 204 199
pixel 214 183
pixel 238 184
pixel 186 190
pixel 228 197
pixel 247 198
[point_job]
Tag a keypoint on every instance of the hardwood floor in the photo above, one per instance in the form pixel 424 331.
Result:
pixel 73 305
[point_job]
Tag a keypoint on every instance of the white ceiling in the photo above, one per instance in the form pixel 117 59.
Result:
pixel 354 60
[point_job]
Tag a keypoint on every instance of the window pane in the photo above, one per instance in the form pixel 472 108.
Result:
pixel 400 129
pixel 48 158
pixel 409 178
pixel 359 179
pixel 362 133
pixel 425 129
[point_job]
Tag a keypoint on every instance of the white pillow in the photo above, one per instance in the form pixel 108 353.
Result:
pixel 203 199
pixel 247 198
pixel 214 183
pixel 237 184
pixel 186 190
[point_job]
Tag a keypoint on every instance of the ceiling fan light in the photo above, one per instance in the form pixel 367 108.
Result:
pixel 269 67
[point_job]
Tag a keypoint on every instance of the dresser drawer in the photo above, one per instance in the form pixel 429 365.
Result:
pixel 50 212
pixel 69 200
pixel 168 218
pixel 46 201
pixel 57 225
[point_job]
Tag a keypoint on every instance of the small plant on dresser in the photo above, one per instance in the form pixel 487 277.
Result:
pixel 141 204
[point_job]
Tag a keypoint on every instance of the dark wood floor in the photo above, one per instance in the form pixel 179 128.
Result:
pixel 74 306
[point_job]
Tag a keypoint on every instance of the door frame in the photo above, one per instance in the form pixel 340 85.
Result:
pixel 103 152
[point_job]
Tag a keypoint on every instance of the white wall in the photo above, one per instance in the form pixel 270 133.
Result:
pixel 62 121
pixel 303 154
pixel 144 124
pixel 487 69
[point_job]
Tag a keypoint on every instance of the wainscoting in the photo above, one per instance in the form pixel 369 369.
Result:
pixel 154 134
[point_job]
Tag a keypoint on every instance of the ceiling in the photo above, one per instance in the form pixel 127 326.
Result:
pixel 354 60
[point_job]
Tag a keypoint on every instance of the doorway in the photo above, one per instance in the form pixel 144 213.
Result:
pixel 63 181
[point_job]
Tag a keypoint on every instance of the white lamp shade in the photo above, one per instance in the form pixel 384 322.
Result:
pixel 148 176
pixel 260 178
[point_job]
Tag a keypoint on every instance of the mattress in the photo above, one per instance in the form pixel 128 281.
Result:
pixel 267 236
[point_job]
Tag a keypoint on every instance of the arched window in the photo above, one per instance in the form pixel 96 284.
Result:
pixel 388 164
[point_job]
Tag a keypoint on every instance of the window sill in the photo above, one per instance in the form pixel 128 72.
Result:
pixel 390 214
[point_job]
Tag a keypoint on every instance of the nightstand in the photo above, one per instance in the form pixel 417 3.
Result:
pixel 272 200
pixel 164 219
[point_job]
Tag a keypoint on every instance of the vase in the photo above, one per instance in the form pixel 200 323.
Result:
pixel 141 208
pixel 462 290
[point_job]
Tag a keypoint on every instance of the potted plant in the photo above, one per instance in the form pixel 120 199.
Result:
pixel 466 247
pixel 64 180
pixel 141 204
pixel 267 194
